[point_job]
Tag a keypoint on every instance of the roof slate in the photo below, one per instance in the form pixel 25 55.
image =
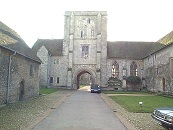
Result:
pixel 167 39
pixel 17 45
pixel 54 46
pixel 132 50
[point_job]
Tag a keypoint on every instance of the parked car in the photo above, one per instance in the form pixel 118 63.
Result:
pixel 164 116
pixel 95 88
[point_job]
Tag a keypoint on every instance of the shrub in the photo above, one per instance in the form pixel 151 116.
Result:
pixel 134 82
pixel 114 83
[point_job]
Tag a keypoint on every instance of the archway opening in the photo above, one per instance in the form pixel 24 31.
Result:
pixel 84 78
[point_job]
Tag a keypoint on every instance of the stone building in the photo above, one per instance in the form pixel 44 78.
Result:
pixel 19 68
pixel 85 53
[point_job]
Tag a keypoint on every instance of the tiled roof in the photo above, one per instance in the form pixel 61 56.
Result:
pixel 167 38
pixel 132 50
pixel 54 46
pixel 10 40
pixel 4 28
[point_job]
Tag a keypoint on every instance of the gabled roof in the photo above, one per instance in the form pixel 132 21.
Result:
pixel 54 46
pixel 132 50
pixel 6 30
pixel 11 41
pixel 168 38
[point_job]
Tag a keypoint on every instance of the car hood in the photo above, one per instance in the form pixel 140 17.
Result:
pixel 166 110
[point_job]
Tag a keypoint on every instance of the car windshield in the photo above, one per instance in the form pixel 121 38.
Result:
pixel 94 86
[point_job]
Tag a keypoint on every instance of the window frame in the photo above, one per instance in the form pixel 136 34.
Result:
pixel 133 69
pixel 115 69
pixel 51 80
pixel 85 50
pixel 31 70
pixel 58 79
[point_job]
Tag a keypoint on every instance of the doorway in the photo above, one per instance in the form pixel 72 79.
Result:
pixel 21 90
pixel 163 84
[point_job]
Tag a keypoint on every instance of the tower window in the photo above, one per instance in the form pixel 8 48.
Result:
pixel 92 33
pixel 85 51
pixel 89 20
pixel 81 34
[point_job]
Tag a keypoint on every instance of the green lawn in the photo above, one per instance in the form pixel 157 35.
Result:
pixel 131 103
pixel 48 90
pixel 122 92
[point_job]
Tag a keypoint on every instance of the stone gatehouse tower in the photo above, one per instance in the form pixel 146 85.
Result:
pixel 83 51
pixel 85 45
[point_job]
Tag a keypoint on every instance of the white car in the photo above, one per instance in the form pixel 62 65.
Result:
pixel 164 116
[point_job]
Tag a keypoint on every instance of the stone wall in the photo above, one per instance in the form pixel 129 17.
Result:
pixel 44 67
pixel 58 70
pixel 52 67
pixel 4 62
pixel 124 68
pixel 86 28
pixel 24 78
pixel 157 70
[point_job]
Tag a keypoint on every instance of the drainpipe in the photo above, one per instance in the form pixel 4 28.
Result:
pixel 153 74
pixel 9 77
pixel 48 70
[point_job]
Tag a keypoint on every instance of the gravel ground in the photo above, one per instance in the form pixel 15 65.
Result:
pixel 141 121
pixel 24 115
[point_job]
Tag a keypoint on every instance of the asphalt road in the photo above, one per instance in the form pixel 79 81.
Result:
pixel 81 111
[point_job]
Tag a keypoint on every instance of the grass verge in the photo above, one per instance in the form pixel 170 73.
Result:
pixel 123 92
pixel 48 90
pixel 131 103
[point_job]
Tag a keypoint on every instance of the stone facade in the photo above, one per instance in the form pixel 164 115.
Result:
pixel 158 69
pixel 85 29
pixel 19 81
pixel 19 70
pixel 4 60
pixel 86 54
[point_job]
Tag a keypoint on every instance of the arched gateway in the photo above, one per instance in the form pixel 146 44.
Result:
pixel 81 71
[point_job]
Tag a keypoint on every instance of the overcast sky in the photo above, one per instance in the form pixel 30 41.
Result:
pixel 128 20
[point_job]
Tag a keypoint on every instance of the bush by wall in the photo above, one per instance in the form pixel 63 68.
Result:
pixel 133 82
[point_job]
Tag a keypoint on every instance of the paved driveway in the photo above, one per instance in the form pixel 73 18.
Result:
pixel 81 111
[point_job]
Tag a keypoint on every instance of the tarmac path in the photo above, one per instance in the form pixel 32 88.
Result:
pixel 81 111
